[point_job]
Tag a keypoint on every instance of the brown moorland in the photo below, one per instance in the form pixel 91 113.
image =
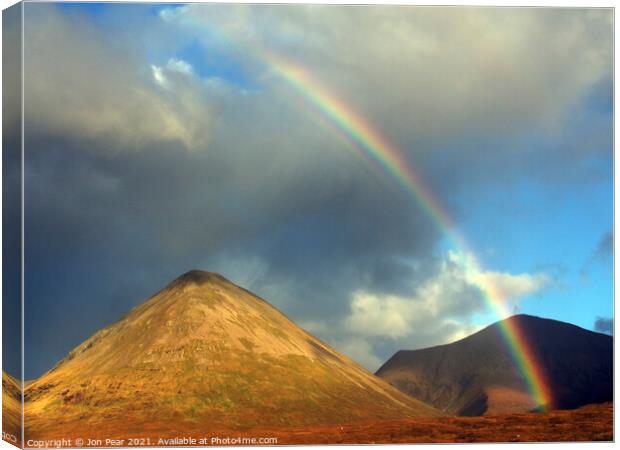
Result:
pixel 588 423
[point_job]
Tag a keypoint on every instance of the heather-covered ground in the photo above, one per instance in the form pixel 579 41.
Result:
pixel 589 423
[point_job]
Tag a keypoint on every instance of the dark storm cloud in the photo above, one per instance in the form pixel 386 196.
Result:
pixel 116 211
pixel 139 170
pixel 11 196
pixel 605 247
pixel 603 251
pixel 128 224
pixel 604 325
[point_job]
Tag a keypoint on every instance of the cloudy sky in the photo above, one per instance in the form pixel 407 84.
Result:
pixel 161 138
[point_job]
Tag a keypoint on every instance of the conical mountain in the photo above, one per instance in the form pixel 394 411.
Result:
pixel 477 375
pixel 204 352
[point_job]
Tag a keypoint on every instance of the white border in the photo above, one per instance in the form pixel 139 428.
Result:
pixel 483 3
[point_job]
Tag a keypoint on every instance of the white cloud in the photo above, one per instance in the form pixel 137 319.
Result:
pixel 441 310
pixel 513 287
pixel 373 315
pixel 178 65
pixel 460 71
pixel 502 286
pixel 453 295
pixel 460 330
pixel 159 77
pixel 104 88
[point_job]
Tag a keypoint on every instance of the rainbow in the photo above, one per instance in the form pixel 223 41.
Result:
pixel 376 149
pixel 371 145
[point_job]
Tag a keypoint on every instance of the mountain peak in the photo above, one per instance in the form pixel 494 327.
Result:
pixel 197 277
pixel 524 318
pixel 540 327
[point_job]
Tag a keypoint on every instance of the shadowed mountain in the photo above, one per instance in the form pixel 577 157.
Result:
pixel 477 375
pixel 205 354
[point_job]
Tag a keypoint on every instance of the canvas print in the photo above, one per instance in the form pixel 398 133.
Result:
pixel 252 224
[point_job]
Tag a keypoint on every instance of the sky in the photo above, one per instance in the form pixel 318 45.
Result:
pixel 164 138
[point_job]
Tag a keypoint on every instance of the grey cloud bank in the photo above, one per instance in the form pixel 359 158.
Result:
pixel 604 325
pixel 157 169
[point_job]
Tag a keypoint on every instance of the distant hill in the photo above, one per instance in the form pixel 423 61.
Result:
pixel 477 375
pixel 205 354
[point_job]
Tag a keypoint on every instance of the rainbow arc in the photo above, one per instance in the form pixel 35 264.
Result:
pixel 372 145
pixel 369 144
